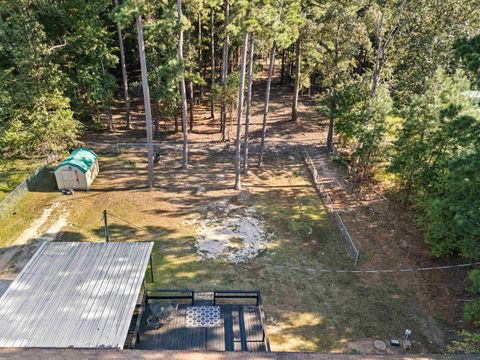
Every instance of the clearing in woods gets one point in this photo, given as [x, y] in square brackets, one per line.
[264, 237]
[305, 311]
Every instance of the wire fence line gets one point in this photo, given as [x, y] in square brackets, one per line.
[157, 145]
[16, 194]
[339, 271]
[117, 146]
[353, 249]
[195, 147]
[381, 271]
[125, 221]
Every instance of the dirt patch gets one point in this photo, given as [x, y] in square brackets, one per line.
[231, 233]
[33, 231]
[17, 255]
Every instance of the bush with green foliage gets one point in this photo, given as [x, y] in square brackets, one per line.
[469, 344]
[55, 59]
[437, 160]
[437, 163]
[361, 122]
[468, 52]
[227, 96]
[472, 310]
[49, 127]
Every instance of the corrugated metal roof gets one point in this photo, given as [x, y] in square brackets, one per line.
[81, 158]
[74, 294]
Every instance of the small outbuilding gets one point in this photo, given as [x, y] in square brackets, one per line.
[78, 170]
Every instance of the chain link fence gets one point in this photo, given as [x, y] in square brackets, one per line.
[15, 195]
[353, 249]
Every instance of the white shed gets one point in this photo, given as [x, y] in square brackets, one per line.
[78, 170]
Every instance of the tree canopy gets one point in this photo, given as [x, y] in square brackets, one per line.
[398, 81]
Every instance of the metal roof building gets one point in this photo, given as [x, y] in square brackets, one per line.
[79, 295]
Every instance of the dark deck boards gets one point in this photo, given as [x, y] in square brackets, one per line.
[241, 330]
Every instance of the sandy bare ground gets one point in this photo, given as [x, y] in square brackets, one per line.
[230, 232]
[14, 257]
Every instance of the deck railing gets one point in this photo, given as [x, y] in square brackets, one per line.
[237, 294]
[178, 294]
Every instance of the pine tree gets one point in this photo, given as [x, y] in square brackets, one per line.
[182, 87]
[146, 99]
[238, 143]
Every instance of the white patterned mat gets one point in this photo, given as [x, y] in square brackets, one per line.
[203, 316]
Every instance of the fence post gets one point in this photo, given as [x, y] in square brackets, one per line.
[105, 224]
[151, 268]
[357, 258]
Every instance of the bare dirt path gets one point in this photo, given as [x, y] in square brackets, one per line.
[16, 255]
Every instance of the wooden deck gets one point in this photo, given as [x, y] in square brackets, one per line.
[241, 330]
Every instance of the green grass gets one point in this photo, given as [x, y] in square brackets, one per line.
[305, 310]
[13, 172]
[21, 215]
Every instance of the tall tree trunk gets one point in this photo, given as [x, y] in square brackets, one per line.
[333, 95]
[182, 87]
[124, 74]
[249, 102]
[383, 45]
[107, 102]
[377, 66]
[176, 122]
[110, 117]
[146, 100]
[230, 121]
[223, 116]
[265, 110]
[298, 64]
[200, 51]
[241, 91]
[192, 103]
[290, 62]
[190, 83]
[212, 54]
[156, 119]
[282, 71]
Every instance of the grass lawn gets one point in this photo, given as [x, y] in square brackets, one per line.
[13, 172]
[305, 310]
[30, 207]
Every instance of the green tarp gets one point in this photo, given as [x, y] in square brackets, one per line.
[81, 158]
